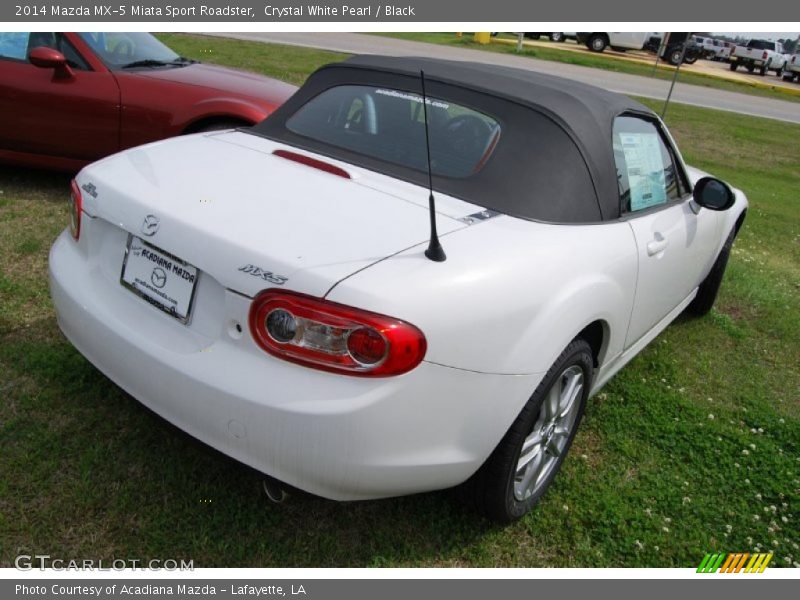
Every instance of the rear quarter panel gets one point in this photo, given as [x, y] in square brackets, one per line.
[510, 296]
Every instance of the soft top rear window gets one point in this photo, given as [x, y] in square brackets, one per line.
[389, 125]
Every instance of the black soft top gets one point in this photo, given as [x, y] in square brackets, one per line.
[554, 161]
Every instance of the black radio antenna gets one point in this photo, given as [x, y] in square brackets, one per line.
[435, 252]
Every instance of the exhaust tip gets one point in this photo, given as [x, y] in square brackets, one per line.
[274, 490]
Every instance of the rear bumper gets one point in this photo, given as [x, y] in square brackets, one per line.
[340, 437]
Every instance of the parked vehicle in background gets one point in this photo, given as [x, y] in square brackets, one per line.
[724, 50]
[714, 49]
[707, 46]
[68, 99]
[556, 36]
[761, 55]
[791, 70]
[598, 41]
[679, 50]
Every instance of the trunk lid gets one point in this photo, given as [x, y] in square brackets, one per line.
[252, 220]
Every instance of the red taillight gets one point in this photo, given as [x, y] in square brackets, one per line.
[765, 55]
[333, 337]
[312, 162]
[75, 210]
[793, 59]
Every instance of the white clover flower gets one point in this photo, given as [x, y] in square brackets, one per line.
[665, 529]
[729, 528]
[758, 496]
[648, 512]
[737, 465]
[711, 416]
[656, 548]
[745, 452]
[686, 500]
[747, 481]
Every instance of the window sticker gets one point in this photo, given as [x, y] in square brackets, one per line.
[645, 169]
[14, 45]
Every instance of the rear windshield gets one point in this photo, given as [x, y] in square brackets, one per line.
[490, 151]
[761, 45]
[389, 125]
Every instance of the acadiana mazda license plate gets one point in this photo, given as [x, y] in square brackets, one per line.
[162, 279]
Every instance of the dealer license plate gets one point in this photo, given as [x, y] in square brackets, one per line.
[164, 280]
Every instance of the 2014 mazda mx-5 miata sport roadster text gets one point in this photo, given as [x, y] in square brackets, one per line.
[295, 295]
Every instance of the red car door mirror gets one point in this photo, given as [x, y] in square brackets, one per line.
[48, 58]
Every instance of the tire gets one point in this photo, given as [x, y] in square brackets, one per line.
[750, 68]
[597, 42]
[675, 57]
[690, 60]
[557, 37]
[533, 36]
[709, 288]
[733, 65]
[494, 490]
[764, 68]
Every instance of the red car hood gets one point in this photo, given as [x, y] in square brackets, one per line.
[231, 81]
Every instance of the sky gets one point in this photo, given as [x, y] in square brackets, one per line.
[776, 35]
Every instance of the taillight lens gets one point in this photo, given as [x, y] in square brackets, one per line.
[334, 337]
[75, 210]
[764, 56]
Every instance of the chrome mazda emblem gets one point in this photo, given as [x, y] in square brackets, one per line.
[158, 278]
[150, 225]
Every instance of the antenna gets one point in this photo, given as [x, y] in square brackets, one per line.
[435, 252]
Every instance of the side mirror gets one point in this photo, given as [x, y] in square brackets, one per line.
[48, 58]
[713, 194]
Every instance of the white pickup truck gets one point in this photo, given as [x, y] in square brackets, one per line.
[791, 70]
[764, 55]
[597, 41]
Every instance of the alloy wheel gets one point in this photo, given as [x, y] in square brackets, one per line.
[543, 448]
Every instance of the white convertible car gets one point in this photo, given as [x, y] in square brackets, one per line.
[279, 292]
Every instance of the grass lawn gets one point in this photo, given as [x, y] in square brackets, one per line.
[692, 448]
[597, 61]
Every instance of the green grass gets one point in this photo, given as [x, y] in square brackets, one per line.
[652, 480]
[597, 61]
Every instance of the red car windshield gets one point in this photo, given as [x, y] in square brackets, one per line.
[120, 50]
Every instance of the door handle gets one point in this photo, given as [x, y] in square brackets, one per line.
[657, 245]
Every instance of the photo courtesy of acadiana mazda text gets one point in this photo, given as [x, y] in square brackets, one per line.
[412, 276]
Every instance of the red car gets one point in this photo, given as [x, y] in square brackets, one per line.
[68, 99]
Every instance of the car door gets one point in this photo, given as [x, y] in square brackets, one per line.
[46, 113]
[674, 237]
[626, 39]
